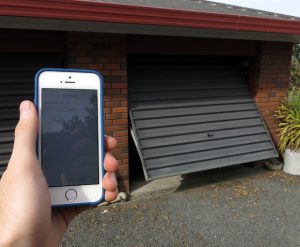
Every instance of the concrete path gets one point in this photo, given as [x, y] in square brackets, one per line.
[236, 206]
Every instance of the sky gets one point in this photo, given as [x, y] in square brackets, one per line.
[288, 7]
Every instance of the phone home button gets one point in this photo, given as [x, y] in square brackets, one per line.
[71, 194]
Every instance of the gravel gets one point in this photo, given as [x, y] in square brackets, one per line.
[257, 210]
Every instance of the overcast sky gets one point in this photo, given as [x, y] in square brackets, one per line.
[288, 7]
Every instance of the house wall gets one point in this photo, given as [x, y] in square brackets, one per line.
[107, 54]
[272, 80]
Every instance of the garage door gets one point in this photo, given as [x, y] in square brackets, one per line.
[16, 84]
[191, 114]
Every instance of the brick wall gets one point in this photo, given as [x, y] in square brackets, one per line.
[272, 80]
[107, 54]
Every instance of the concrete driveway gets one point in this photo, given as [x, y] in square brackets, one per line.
[235, 206]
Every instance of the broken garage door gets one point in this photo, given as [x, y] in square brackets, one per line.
[192, 114]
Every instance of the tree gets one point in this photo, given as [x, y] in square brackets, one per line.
[295, 74]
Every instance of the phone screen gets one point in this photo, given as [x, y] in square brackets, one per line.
[69, 137]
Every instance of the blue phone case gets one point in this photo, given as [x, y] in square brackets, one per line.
[101, 111]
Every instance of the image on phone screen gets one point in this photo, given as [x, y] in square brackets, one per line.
[69, 137]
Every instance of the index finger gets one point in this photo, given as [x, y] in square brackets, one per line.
[110, 143]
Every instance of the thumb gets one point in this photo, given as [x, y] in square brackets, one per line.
[26, 131]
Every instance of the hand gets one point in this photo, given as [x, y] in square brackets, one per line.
[26, 216]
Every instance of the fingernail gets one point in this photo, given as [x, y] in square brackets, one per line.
[25, 108]
[113, 177]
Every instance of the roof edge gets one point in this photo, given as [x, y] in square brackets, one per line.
[129, 14]
[236, 7]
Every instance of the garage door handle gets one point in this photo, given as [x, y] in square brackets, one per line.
[209, 134]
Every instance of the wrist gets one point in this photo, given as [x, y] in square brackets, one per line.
[7, 240]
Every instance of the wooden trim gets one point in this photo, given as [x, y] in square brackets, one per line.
[138, 44]
[129, 14]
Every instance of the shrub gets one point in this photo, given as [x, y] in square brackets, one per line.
[288, 115]
[295, 73]
[295, 70]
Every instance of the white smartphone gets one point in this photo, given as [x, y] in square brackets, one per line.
[71, 136]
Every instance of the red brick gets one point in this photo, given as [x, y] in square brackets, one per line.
[95, 66]
[275, 60]
[119, 109]
[107, 133]
[119, 85]
[107, 97]
[262, 94]
[113, 116]
[80, 53]
[103, 60]
[123, 145]
[107, 85]
[77, 66]
[124, 91]
[276, 99]
[119, 60]
[119, 47]
[108, 122]
[112, 66]
[125, 172]
[120, 121]
[125, 115]
[113, 103]
[282, 94]
[105, 73]
[117, 152]
[85, 60]
[109, 91]
[118, 138]
[262, 100]
[121, 133]
[124, 103]
[113, 128]
[119, 97]
[121, 72]
[111, 53]
[122, 156]
[107, 110]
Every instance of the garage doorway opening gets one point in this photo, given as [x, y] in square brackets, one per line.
[191, 114]
[17, 71]
[136, 174]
